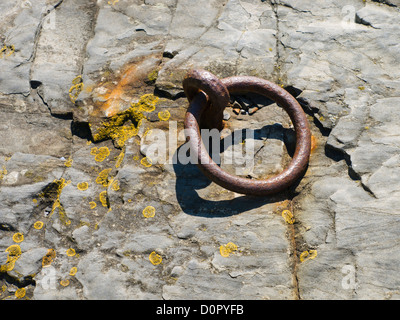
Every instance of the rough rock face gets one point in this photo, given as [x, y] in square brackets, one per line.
[86, 85]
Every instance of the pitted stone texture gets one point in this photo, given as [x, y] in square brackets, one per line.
[338, 59]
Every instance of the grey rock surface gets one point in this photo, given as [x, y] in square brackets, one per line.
[83, 215]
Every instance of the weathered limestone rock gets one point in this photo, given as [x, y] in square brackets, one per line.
[89, 210]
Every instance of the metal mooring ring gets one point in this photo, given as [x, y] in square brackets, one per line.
[218, 96]
[199, 103]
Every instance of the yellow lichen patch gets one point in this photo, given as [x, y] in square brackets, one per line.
[103, 177]
[76, 88]
[18, 237]
[155, 258]
[100, 153]
[149, 212]
[70, 252]
[58, 185]
[112, 2]
[115, 185]
[92, 204]
[8, 266]
[3, 172]
[14, 250]
[147, 103]
[94, 151]
[306, 255]
[103, 198]
[83, 186]
[20, 293]
[288, 216]
[164, 115]
[312, 254]
[49, 257]
[63, 216]
[146, 161]
[226, 250]
[64, 282]
[38, 225]
[231, 246]
[68, 162]
[7, 51]
[120, 158]
[152, 76]
[14, 253]
[124, 125]
[73, 271]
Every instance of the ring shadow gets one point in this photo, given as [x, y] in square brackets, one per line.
[189, 179]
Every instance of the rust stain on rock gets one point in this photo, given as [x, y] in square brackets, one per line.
[115, 91]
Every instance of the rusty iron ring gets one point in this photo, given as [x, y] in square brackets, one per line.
[218, 96]
[239, 85]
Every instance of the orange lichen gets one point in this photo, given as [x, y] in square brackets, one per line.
[18, 237]
[149, 212]
[155, 258]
